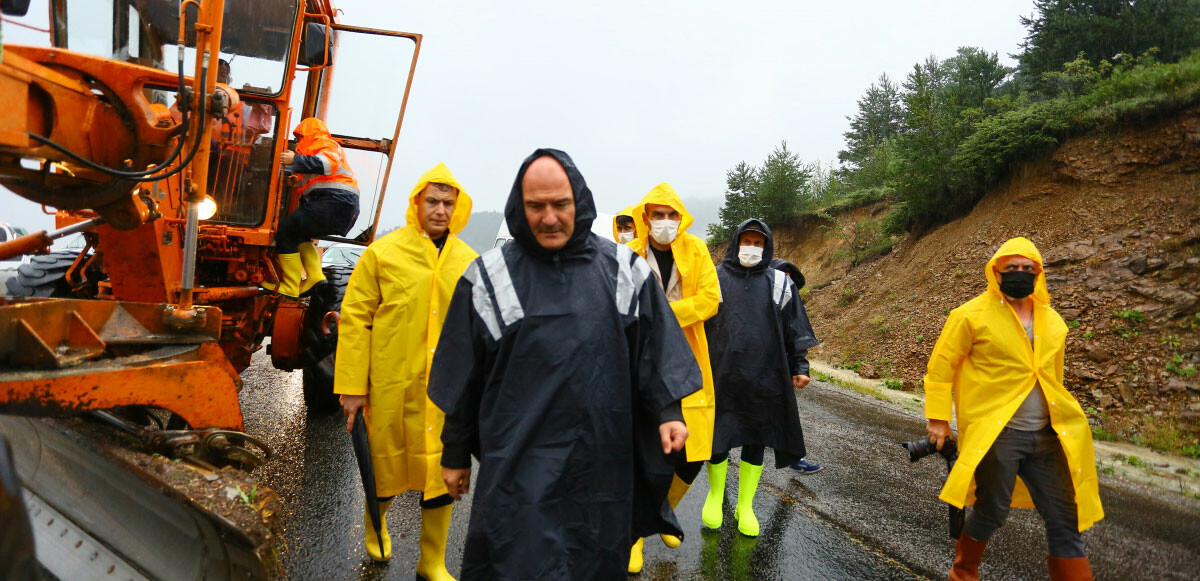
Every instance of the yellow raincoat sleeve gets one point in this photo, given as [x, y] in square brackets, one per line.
[952, 347]
[703, 305]
[354, 331]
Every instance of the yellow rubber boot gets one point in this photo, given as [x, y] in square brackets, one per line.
[435, 528]
[372, 541]
[674, 495]
[289, 276]
[748, 475]
[711, 515]
[312, 266]
[635, 557]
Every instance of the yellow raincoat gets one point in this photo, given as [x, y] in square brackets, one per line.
[391, 320]
[638, 227]
[984, 364]
[701, 297]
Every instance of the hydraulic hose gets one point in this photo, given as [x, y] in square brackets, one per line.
[148, 174]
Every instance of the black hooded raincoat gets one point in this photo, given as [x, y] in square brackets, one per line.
[758, 340]
[554, 369]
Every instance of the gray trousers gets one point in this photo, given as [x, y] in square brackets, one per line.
[1038, 458]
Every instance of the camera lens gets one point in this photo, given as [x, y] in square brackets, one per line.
[918, 449]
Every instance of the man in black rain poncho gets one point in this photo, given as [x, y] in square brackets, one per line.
[758, 342]
[561, 369]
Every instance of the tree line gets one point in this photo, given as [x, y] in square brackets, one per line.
[932, 144]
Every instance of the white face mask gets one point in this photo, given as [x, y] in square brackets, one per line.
[749, 256]
[664, 231]
[624, 237]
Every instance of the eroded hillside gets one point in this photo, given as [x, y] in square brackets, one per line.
[1117, 217]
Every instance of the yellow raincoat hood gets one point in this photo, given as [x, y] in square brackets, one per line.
[984, 366]
[1019, 246]
[638, 227]
[701, 295]
[392, 318]
[440, 174]
[662, 194]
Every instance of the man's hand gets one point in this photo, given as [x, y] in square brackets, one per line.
[939, 432]
[350, 406]
[799, 381]
[673, 435]
[458, 481]
[287, 157]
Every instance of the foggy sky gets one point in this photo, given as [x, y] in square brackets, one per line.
[640, 92]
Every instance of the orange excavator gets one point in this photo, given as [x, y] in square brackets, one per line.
[154, 129]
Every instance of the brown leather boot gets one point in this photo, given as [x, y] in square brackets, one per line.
[968, 553]
[1069, 569]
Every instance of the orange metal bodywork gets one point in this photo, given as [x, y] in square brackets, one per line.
[98, 107]
[200, 386]
[53, 360]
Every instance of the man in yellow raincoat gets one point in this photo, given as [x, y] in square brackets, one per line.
[1024, 440]
[392, 318]
[682, 265]
[624, 228]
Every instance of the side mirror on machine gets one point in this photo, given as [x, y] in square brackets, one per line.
[314, 46]
[14, 7]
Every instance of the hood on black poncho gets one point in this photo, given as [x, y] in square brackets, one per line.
[585, 208]
[731, 253]
[789, 269]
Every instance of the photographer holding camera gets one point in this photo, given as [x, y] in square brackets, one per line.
[1024, 440]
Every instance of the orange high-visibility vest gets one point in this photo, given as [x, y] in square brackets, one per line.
[315, 140]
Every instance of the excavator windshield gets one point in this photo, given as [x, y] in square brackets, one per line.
[255, 38]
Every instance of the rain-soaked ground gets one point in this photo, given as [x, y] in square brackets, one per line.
[869, 515]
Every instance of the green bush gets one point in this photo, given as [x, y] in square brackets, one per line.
[986, 156]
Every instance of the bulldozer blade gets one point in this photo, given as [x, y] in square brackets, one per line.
[128, 508]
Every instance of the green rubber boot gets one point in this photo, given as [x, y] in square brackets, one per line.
[748, 475]
[711, 515]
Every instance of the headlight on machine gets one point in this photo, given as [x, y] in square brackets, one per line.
[207, 208]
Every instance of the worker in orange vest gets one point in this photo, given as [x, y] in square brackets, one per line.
[328, 205]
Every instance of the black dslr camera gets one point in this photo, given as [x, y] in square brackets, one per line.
[921, 448]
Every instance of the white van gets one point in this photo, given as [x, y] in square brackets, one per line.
[601, 226]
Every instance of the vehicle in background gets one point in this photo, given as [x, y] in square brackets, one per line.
[8, 267]
[341, 254]
[601, 226]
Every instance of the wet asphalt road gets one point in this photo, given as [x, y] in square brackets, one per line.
[869, 515]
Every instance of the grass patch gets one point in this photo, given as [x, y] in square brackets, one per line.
[1136, 462]
[1176, 366]
[846, 297]
[882, 327]
[1099, 433]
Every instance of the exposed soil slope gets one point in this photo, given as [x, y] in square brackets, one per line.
[1116, 216]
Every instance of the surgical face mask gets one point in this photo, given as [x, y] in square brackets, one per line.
[624, 237]
[749, 256]
[1016, 284]
[664, 231]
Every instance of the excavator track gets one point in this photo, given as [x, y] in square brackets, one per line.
[102, 506]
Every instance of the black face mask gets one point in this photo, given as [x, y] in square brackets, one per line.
[1017, 285]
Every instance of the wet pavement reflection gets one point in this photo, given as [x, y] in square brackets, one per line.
[869, 515]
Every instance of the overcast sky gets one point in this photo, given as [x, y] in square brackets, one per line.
[645, 92]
